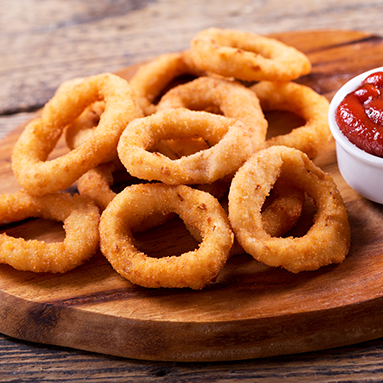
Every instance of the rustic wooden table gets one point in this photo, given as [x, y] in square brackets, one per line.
[44, 42]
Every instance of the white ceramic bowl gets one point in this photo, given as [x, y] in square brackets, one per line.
[361, 170]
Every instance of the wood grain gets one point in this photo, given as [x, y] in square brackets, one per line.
[251, 310]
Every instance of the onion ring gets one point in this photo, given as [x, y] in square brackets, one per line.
[232, 145]
[30, 164]
[328, 239]
[314, 135]
[194, 269]
[153, 78]
[231, 98]
[247, 56]
[81, 219]
[82, 127]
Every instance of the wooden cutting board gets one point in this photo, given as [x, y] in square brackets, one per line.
[251, 310]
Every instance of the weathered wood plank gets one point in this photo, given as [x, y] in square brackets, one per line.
[27, 362]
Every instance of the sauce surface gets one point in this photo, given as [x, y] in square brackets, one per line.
[360, 115]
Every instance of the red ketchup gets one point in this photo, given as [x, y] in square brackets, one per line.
[360, 115]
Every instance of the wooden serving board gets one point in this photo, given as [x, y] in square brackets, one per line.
[251, 310]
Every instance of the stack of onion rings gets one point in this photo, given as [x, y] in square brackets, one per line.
[203, 137]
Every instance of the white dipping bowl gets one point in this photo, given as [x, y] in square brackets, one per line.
[361, 170]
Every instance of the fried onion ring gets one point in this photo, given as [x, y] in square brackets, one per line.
[194, 269]
[81, 219]
[153, 78]
[328, 239]
[231, 146]
[30, 164]
[314, 135]
[247, 56]
[230, 98]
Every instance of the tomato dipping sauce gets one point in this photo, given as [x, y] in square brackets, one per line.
[359, 116]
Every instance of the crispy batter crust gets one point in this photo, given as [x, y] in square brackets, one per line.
[327, 241]
[81, 219]
[247, 56]
[198, 209]
[312, 137]
[38, 175]
[229, 98]
[231, 145]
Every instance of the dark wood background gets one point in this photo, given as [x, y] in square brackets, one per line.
[44, 42]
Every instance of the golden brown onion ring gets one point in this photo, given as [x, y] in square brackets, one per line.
[247, 56]
[80, 217]
[194, 269]
[38, 175]
[326, 242]
[230, 142]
